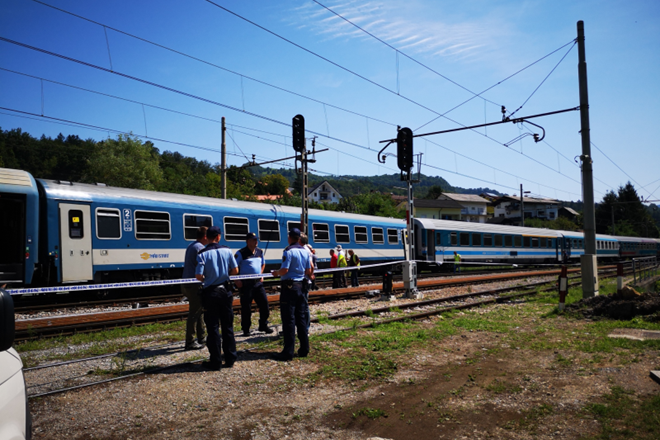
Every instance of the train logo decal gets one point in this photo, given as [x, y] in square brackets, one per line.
[145, 256]
[128, 221]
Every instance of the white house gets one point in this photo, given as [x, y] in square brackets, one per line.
[508, 207]
[324, 193]
[475, 208]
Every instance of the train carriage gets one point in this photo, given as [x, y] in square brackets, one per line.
[437, 240]
[96, 233]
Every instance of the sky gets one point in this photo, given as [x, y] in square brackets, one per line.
[168, 71]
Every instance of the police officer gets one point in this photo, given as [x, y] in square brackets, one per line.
[293, 299]
[215, 263]
[191, 291]
[251, 261]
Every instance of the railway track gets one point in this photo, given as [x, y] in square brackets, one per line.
[69, 324]
[31, 304]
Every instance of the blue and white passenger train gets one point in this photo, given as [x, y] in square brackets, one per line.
[54, 232]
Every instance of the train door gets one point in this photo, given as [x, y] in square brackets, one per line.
[439, 250]
[12, 240]
[76, 242]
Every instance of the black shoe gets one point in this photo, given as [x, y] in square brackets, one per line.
[266, 329]
[210, 366]
[194, 346]
[303, 354]
[228, 365]
[202, 341]
[246, 333]
[281, 357]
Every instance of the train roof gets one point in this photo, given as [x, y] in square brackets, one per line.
[17, 181]
[484, 227]
[100, 193]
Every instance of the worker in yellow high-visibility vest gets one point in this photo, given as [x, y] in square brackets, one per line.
[457, 262]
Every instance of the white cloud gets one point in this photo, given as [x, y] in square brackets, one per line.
[399, 25]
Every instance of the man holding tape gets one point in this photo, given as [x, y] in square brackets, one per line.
[293, 299]
[251, 261]
[215, 263]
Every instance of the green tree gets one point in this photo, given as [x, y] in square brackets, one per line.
[434, 192]
[631, 217]
[273, 184]
[125, 162]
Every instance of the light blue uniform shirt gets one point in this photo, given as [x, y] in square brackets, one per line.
[215, 265]
[190, 261]
[296, 259]
[252, 264]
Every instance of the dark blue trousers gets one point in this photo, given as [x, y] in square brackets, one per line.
[219, 314]
[253, 291]
[294, 311]
[354, 278]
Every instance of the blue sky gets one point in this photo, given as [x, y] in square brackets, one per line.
[356, 96]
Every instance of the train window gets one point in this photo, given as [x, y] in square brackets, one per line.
[151, 225]
[321, 232]
[438, 239]
[192, 222]
[535, 242]
[361, 234]
[76, 224]
[464, 238]
[236, 228]
[517, 241]
[293, 225]
[488, 240]
[393, 236]
[377, 236]
[108, 224]
[527, 242]
[476, 239]
[498, 241]
[544, 242]
[342, 234]
[269, 230]
[453, 241]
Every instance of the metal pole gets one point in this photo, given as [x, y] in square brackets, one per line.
[223, 161]
[522, 207]
[589, 272]
[304, 217]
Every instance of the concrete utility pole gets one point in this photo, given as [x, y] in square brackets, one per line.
[223, 161]
[588, 260]
[522, 205]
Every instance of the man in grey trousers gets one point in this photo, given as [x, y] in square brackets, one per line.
[192, 292]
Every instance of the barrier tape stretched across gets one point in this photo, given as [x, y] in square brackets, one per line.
[79, 288]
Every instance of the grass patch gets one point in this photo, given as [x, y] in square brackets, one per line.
[370, 413]
[621, 415]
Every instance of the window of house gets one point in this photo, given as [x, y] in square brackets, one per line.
[236, 228]
[361, 234]
[321, 232]
[192, 222]
[392, 236]
[151, 225]
[342, 234]
[269, 230]
[108, 224]
[377, 236]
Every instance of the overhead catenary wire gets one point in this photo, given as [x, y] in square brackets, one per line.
[217, 66]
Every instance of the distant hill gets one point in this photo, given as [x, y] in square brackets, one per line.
[388, 183]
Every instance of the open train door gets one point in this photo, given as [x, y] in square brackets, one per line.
[12, 240]
[76, 241]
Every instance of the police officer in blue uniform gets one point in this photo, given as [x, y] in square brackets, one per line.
[251, 261]
[293, 299]
[215, 263]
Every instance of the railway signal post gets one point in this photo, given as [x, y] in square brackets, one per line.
[404, 144]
